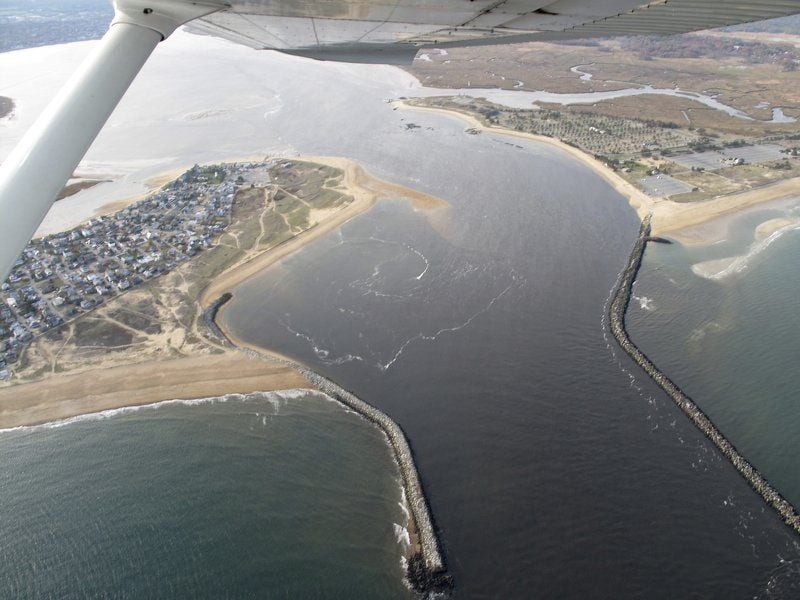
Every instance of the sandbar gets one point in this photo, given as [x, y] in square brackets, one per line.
[768, 228]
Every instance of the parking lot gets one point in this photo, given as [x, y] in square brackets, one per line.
[664, 185]
[755, 154]
[710, 160]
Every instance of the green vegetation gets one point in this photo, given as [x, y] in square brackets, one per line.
[163, 317]
[212, 175]
[90, 331]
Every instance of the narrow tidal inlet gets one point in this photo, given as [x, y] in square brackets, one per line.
[549, 461]
[552, 465]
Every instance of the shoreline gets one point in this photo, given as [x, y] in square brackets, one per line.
[641, 202]
[426, 571]
[365, 189]
[683, 221]
[244, 368]
[425, 568]
[667, 216]
[616, 316]
[67, 395]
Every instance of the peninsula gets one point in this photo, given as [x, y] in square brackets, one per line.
[121, 305]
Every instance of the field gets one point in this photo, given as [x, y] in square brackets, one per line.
[755, 78]
[665, 145]
[164, 318]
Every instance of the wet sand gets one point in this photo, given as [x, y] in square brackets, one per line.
[668, 217]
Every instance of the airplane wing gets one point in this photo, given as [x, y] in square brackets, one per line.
[388, 31]
[393, 30]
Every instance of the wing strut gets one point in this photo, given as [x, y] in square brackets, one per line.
[45, 158]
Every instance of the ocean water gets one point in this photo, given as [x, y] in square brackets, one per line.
[29, 23]
[732, 342]
[552, 466]
[281, 495]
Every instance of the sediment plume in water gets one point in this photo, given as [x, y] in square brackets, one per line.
[617, 311]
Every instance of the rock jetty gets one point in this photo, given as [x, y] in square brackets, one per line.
[426, 571]
[617, 311]
[210, 316]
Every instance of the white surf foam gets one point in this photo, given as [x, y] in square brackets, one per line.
[401, 535]
[124, 410]
[725, 267]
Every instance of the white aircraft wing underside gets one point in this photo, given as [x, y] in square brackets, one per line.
[337, 28]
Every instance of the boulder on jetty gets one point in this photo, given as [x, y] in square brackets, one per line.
[425, 581]
[657, 240]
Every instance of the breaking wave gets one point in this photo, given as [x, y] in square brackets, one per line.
[275, 398]
[721, 268]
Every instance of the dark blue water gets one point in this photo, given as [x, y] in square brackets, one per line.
[553, 468]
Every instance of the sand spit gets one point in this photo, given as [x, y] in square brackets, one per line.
[617, 310]
[68, 395]
[357, 182]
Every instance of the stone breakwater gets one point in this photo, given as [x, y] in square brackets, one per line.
[210, 316]
[617, 311]
[426, 571]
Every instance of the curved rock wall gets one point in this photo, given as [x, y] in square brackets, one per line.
[426, 570]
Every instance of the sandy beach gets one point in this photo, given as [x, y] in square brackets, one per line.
[364, 188]
[668, 217]
[59, 396]
[69, 395]
[675, 218]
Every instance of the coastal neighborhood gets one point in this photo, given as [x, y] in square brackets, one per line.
[62, 276]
